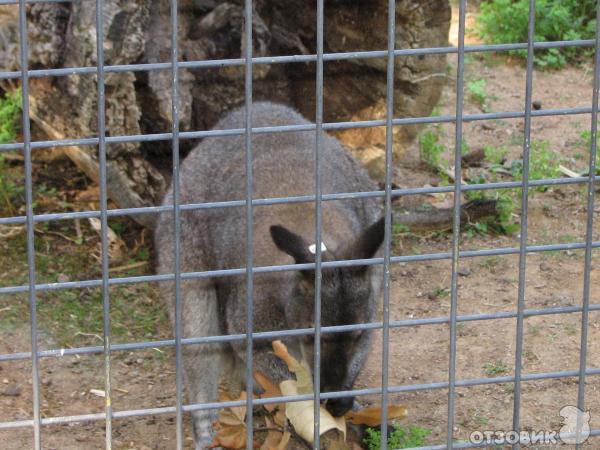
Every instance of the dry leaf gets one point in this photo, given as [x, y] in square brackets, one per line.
[371, 416]
[301, 370]
[301, 415]
[270, 388]
[231, 426]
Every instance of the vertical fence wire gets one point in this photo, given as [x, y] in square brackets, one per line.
[26, 131]
[589, 233]
[524, 221]
[387, 244]
[103, 220]
[460, 81]
[318, 222]
[249, 221]
[176, 225]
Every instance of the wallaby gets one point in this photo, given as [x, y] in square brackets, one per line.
[212, 239]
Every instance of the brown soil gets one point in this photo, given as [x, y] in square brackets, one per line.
[144, 379]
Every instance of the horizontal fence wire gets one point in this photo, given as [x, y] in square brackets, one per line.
[327, 57]
[33, 288]
[295, 128]
[298, 332]
[121, 212]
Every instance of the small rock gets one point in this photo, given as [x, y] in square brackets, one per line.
[545, 267]
[139, 360]
[464, 271]
[46, 382]
[12, 391]
[537, 104]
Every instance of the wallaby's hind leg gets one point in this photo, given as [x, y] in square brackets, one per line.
[202, 363]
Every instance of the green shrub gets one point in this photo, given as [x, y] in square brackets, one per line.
[477, 92]
[506, 22]
[10, 114]
[431, 149]
[543, 163]
[400, 437]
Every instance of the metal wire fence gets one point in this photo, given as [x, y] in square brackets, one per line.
[455, 254]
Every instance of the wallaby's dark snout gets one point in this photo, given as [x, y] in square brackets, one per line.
[215, 239]
[339, 406]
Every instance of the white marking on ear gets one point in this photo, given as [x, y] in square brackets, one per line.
[313, 248]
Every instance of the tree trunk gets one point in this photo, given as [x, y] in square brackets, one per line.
[137, 31]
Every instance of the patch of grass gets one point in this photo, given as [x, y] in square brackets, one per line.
[73, 317]
[495, 368]
[491, 262]
[399, 437]
[506, 21]
[10, 114]
[570, 329]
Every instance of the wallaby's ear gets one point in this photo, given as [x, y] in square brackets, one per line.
[369, 241]
[291, 243]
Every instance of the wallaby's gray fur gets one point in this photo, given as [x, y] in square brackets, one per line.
[283, 165]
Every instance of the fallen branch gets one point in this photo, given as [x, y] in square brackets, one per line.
[568, 172]
[421, 220]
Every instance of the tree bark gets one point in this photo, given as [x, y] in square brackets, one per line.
[137, 31]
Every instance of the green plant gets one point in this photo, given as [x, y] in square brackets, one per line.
[506, 21]
[477, 92]
[503, 221]
[431, 149]
[495, 155]
[495, 368]
[586, 142]
[400, 228]
[543, 163]
[400, 437]
[10, 112]
[11, 187]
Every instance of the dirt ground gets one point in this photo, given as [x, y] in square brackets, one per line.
[418, 355]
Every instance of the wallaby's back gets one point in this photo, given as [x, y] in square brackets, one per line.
[283, 166]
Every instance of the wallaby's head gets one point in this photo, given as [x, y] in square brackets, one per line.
[348, 296]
